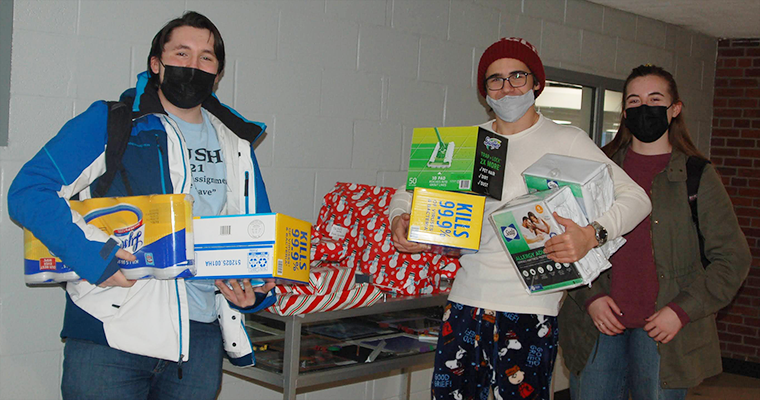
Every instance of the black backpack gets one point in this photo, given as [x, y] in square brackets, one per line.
[694, 168]
[119, 130]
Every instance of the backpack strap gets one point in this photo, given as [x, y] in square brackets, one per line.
[694, 168]
[119, 130]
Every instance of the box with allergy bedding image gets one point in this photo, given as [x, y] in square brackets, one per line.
[523, 226]
[590, 182]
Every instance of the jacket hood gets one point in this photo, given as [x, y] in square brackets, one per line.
[145, 100]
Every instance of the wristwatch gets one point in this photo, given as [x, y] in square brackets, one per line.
[600, 233]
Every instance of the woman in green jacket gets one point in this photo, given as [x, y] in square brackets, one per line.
[647, 326]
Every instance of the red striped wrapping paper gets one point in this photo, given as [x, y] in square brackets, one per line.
[361, 295]
[323, 279]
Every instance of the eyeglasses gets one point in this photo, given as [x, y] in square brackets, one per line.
[516, 80]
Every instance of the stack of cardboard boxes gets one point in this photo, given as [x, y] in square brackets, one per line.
[574, 188]
[450, 171]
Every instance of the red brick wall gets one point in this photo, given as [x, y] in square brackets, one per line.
[735, 151]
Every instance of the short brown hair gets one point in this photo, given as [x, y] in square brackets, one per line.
[191, 19]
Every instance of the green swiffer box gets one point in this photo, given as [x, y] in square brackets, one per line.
[463, 159]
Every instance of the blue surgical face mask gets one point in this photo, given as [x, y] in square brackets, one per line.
[512, 108]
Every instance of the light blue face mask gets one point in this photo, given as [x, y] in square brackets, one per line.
[512, 108]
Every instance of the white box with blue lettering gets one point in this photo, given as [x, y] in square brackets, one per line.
[269, 245]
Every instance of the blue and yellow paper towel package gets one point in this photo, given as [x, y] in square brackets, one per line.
[267, 245]
[157, 229]
[446, 220]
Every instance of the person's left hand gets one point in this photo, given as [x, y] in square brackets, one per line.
[572, 245]
[244, 296]
[663, 325]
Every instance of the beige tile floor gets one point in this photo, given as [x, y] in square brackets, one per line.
[726, 387]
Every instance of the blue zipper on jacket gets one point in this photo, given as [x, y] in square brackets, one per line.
[179, 312]
[161, 164]
[245, 193]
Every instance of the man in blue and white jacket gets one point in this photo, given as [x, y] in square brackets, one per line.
[138, 339]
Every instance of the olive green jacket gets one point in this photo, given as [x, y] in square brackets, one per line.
[694, 353]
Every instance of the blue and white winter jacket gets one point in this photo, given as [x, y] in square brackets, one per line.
[151, 317]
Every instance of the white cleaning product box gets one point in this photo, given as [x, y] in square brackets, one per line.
[590, 181]
[268, 245]
[525, 224]
[462, 159]
[157, 229]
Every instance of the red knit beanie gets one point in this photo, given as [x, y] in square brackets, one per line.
[517, 48]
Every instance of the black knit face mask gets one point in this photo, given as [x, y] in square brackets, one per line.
[647, 123]
[186, 87]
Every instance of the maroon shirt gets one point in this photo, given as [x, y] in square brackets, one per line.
[634, 283]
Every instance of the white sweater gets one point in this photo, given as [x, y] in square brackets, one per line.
[488, 278]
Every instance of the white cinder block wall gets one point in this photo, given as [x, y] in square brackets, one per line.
[340, 83]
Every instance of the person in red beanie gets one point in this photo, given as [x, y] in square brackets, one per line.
[510, 77]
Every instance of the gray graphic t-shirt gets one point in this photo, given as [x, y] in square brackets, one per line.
[209, 187]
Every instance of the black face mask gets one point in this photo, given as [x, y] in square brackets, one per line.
[647, 123]
[186, 87]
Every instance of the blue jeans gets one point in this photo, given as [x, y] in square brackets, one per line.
[95, 371]
[628, 362]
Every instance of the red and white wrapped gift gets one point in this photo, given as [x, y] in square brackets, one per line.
[326, 250]
[353, 230]
[323, 279]
[360, 295]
